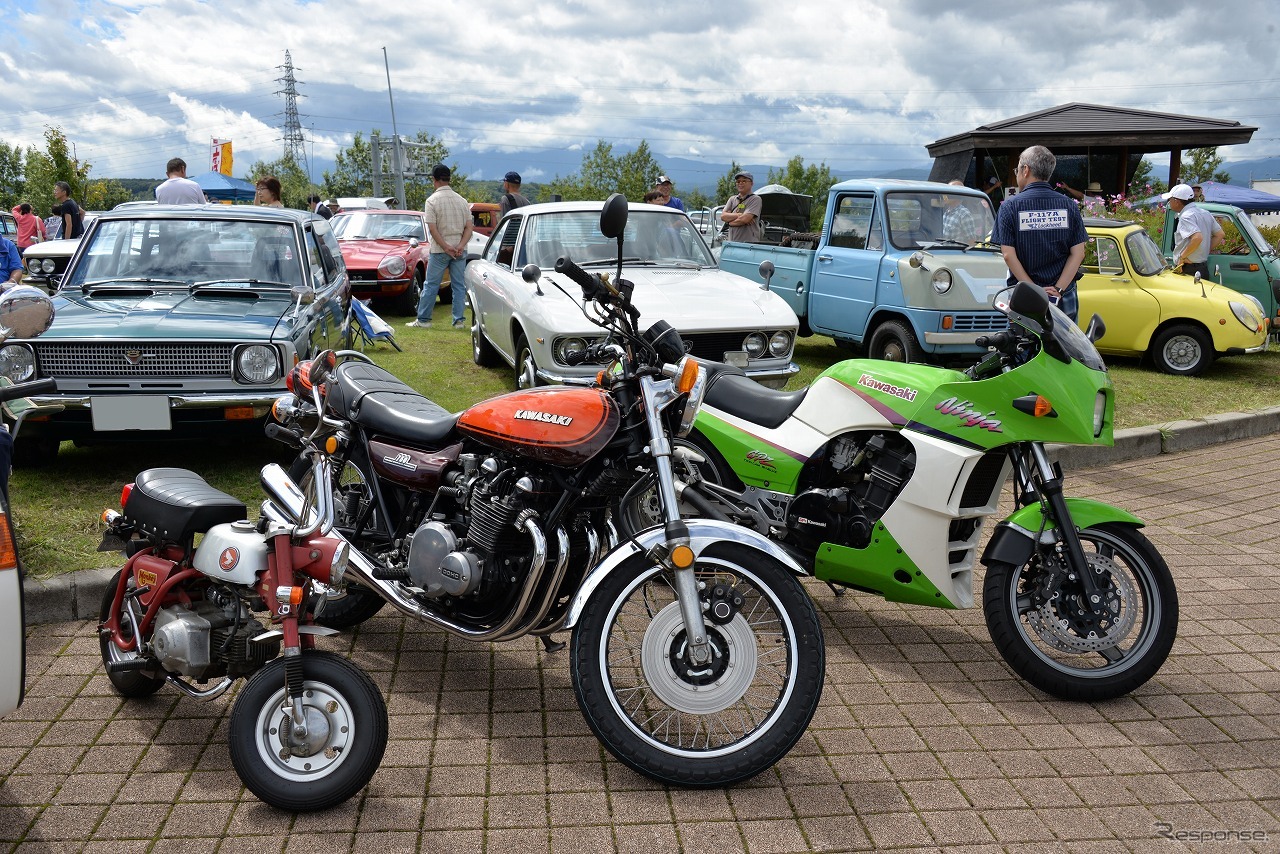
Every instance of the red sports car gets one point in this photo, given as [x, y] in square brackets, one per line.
[386, 255]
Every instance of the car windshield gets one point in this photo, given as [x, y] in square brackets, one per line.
[921, 219]
[186, 251]
[655, 237]
[1248, 227]
[1144, 253]
[364, 224]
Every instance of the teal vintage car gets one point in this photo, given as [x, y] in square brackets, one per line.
[180, 322]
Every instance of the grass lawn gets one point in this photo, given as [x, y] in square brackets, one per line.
[57, 509]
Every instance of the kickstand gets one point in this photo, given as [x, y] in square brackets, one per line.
[551, 645]
[839, 591]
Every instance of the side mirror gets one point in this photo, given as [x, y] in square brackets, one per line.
[1031, 302]
[414, 242]
[613, 216]
[25, 312]
[766, 273]
[303, 294]
[1096, 329]
[532, 273]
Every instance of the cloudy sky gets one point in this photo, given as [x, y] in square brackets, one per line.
[855, 84]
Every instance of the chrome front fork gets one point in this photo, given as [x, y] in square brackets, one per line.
[656, 395]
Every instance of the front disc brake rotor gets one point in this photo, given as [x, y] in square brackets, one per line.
[698, 689]
[1066, 622]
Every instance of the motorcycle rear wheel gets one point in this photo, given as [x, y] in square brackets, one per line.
[348, 725]
[1049, 643]
[709, 725]
[355, 603]
[128, 683]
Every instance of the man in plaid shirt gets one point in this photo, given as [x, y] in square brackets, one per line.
[449, 221]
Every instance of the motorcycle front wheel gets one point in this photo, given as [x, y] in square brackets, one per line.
[1060, 646]
[354, 603]
[699, 725]
[347, 734]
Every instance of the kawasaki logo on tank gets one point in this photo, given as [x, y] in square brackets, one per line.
[545, 417]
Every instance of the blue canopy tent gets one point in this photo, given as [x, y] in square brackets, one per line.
[220, 188]
[1245, 198]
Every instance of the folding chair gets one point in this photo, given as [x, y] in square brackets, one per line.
[370, 329]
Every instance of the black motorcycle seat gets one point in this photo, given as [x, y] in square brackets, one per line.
[380, 403]
[739, 395]
[175, 503]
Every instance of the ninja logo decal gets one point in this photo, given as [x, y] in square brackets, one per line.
[545, 417]
[963, 409]
[229, 558]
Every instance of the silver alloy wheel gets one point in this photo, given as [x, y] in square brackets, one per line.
[1182, 352]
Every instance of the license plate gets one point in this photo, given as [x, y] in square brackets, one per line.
[130, 412]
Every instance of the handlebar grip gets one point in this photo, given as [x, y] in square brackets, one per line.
[12, 392]
[280, 433]
[572, 359]
[565, 267]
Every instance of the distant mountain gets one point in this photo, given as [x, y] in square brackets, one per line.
[1241, 171]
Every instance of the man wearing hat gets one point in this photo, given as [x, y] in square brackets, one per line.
[449, 221]
[663, 185]
[511, 197]
[742, 211]
[318, 207]
[1197, 232]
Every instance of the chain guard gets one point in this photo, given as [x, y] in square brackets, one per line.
[1067, 624]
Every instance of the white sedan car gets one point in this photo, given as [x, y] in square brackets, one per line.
[534, 325]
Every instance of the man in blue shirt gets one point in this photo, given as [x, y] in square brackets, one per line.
[663, 185]
[1041, 233]
[10, 263]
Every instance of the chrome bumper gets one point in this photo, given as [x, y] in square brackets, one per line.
[767, 377]
[176, 401]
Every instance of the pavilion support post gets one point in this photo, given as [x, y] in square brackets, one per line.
[1175, 166]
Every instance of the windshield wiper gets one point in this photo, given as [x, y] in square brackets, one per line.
[252, 282]
[688, 265]
[143, 280]
[613, 261]
[947, 241]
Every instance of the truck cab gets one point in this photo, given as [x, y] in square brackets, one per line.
[1245, 261]
[903, 270]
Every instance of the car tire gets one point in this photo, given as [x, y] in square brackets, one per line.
[407, 302]
[1182, 350]
[893, 341]
[526, 366]
[34, 453]
[482, 352]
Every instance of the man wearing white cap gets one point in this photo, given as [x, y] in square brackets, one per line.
[663, 185]
[1197, 232]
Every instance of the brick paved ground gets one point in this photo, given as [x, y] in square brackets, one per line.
[924, 739]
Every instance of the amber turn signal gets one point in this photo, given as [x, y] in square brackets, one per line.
[682, 557]
[688, 375]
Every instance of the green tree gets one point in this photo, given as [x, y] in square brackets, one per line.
[352, 173]
[697, 200]
[725, 187]
[12, 182]
[103, 194]
[602, 174]
[1204, 164]
[809, 180]
[1144, 183]
[56, 163]
[295, 186]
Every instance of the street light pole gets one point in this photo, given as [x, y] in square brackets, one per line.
[398, 164]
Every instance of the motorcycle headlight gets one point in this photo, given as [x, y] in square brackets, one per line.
[257, 363]
[393, 267]
[17, 362]
[48, 265]
[941, 281]
[755, 345]
[780, 343]
[1099, 413]
[1246, 317]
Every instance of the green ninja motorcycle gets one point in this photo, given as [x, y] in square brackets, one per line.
[879, 476]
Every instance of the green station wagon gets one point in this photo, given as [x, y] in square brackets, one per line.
[180, 322]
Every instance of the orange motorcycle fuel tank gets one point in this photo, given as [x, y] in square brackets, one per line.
[559, 426]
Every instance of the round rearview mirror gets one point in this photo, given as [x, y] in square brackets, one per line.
[303, 293]
[613, 216]
[531, 273]
[25, 312]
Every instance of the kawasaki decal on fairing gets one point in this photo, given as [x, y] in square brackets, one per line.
[761, 459]
[903, 392]
[545, 417]
[964, 410]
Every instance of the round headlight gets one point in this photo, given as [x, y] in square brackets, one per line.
[780, 343]
[17, 363]
[393, 266]
[47, 265]
[257, 363]
[941, 281]
[565, 347]
[755, 345]
[1246, 317]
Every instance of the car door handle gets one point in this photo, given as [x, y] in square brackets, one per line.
[1239, 266]
[1120, 278]
[824, 257]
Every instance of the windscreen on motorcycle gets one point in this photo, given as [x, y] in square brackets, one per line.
[1070, 342]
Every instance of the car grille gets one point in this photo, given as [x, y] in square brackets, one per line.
[979, 321]
[713, 345]
[126, 360]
